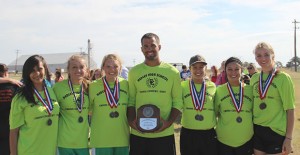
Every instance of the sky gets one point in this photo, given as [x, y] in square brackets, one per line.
[215, 29]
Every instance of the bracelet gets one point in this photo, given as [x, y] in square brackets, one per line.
[288, 138]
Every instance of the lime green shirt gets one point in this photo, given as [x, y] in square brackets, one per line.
[229, 130]
[160, 86]
[188, 113]
[36, 137]
[107, 131]
[279, 98]
[71, 132]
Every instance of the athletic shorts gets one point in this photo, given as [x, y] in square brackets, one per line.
[152, 146]
[110, 151]
[266, 140]
[198, 142]
[68, 151]
[245, 149]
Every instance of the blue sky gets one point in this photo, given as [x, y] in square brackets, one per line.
[214, 29]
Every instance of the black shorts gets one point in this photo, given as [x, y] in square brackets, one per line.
[198, 142]
[245, 149]
[152, 146]
[266, 140]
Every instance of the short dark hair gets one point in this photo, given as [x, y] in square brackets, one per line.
[149, 36]
[3, 69]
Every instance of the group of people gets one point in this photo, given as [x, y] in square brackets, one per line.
[231, 119]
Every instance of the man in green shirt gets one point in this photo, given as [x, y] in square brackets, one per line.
[158, 83]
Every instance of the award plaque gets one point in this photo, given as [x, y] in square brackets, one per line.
[148, 118]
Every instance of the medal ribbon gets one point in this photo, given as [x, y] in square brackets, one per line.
[263, 89]
[237, 103]
[112, 97]
[79, 104]
[47, 104]
[198, 99]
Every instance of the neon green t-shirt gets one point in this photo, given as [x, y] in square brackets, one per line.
[229, 130]
[36, 137]
[188, 113]
[160, 86]
[72, 133]
[279, 98]
[107, 131]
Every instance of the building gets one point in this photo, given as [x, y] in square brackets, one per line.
[54, 60]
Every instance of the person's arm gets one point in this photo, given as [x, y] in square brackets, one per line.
[13, 141]
[287, 144]
[167, 123]
[12, 81]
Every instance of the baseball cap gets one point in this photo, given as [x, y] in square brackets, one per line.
[3, 67]
[197, 58]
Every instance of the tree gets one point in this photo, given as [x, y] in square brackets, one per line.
[291, 63]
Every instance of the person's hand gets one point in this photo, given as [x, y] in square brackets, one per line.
[133, 125]
[16, 82]
[287, 146]
[165, 124]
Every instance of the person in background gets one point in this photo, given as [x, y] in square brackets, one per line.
[34, 112]
[58, 76]
[98, 73]
[198, 136]
[221, 79]
[72, 97]
[109, 126]
[185, 74]
[233, 101]
[252, 69]
[274, 104]
[7, 91]
[214, 74]
[124, 73]
[158, 83]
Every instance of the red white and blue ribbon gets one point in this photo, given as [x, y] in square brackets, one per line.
[198, 99]
[48, 103]
[238, 103]
[112, 97]
[263, 89]
[79, 104]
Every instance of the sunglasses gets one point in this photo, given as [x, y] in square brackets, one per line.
[250, 68]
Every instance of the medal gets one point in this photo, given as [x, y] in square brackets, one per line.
[48, 103]
[80, 119]
[198, 99]
[263, 106]
[116, 114]
[79, 102]
[239, 119]
[238, 103]
[49, 122]
[199, 117]
[263, 89]
[112, 114]
[112, 97]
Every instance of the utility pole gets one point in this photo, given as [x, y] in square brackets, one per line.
[295, 58]
[16, 71]
[89, 53]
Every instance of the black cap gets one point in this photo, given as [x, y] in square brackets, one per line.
[197, 58]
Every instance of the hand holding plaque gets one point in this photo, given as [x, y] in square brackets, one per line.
[148, 118]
